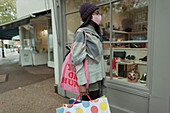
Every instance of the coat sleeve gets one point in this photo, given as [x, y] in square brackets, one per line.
[80, 74]
[78, 54]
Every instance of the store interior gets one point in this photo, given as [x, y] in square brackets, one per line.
[38, 42]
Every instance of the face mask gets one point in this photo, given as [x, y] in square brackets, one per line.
[97, 19]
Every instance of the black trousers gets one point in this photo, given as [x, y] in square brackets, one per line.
[93, 95]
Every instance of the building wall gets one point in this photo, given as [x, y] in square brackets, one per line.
[160, 93]
[55, 42]
[26, 7]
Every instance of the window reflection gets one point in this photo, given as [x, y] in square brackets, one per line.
[72, 5]
[72, 25]
[128, 41]
[129, 60]
[96, 1]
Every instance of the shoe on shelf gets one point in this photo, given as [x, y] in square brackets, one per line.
[130, 57]
[143, 59]
[143, 78]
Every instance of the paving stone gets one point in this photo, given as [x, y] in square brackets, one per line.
[29, 89]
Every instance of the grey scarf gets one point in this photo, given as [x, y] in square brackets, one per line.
[92, 49]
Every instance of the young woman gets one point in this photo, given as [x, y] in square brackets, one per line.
[92, 51]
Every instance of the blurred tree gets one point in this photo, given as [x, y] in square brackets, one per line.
[7, 11]
[129, 7]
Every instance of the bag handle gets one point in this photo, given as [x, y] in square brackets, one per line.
[84, 39]
[78, 98]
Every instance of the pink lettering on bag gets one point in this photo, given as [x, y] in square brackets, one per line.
[75, 76]
[70, 74]
[70, 82]
[69, 67]
[65, 80]
[76, 84]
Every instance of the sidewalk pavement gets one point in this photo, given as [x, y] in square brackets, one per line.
[36, 98]
[29, 89]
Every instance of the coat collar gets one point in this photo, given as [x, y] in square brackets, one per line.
[90, 29]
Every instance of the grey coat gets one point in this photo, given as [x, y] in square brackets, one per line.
[93, 51]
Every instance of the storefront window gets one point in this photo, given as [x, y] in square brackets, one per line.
[129, 42]
[96, 1]
[72, 5]
[73, 22]
[105, 34]
[124, 28]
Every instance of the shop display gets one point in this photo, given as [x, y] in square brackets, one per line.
[124, 68]
[120, 54]
[104, 35]
[129, 24]
[121, 74]
[121, 71]
[114, 72]
[143, 59]
[129, 61]
[108, 68]
[130, 57]
[142, 45]
[106, 56]
[133, 76]
[120, 45]
[138, 37]
[143, 78]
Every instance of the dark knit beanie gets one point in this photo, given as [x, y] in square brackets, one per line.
[86, 9]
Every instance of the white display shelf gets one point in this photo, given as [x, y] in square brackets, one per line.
[124, 49]
[133, 62]
[121, 79]
[132, 49]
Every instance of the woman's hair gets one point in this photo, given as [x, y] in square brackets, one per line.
[87, 21]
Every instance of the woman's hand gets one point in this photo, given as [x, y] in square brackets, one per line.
[83, 90]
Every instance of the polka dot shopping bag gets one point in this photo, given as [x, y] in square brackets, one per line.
[100, 105]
